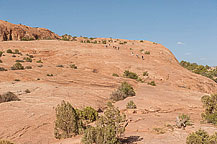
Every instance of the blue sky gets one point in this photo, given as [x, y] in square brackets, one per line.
[187, 27]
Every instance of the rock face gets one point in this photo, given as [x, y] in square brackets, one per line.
[9, 31]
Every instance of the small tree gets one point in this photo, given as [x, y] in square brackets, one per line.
[109, 128]
[210, 105]
[131, 75]
[201, 137]
[17, 66]
[66, 124]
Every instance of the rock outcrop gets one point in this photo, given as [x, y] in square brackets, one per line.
[9, 31]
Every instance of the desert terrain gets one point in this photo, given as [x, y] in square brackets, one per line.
[31, 120]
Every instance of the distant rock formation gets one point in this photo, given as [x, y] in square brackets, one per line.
[9, 31]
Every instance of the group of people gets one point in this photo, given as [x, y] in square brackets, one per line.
[137, 55]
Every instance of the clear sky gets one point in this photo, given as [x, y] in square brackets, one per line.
[187, 27]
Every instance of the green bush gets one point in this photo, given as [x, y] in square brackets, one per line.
[201, 137]
[145, 73]
[9, 51]
[152, 83]
[73, 66]
[2, 69]
[28, 67]
[9, 96]
[16, 51]
[66, 124]
[27, 59]
[27, 39]
[210, 105]
[183, 120]
[88, 113]
[39, 61]
[19, 60]
[147, 52]
[130, 75]
[1, 53]
[124, 91]
[109, 128]
[5, 142]
[131, 105]
[17, 66]
[115, 75]
[59, 66]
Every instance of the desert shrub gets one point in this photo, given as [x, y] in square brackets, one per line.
[59, 66]
[73, 66]
[141, 40]
[19, 60]
[145, 73]
[141, 50]
[16, 51]
[210, 105]
[104, 42]
[123, 91]
[27, 91]
[27, 39]
[88, 113]
[9, 51]
[109, 128]
[152, 83]
[67, 121]
[16, 80]
[27, 59]
[1, 61]
[129, 74]
[2, 69]
[131, 105]
[201, 137]
[39, 61]
[14, 55]
[183, 120]
[147, 52]
[17, 66]
[116, 75]
[9, 96]
[5, 142]
[28, 67]
[50, 75]
[1, 53]
[31, 56]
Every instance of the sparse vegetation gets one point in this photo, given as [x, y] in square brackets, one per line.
[17, 66]
[109, 128]
[27, 39]
[28, 67]
[19, 60]
[73, 66]
[131, 105]
[59, 66]
[123, 91]
[27, 59]
[159, 130]
[130, 75]
[5, 142]
[210, 105]
[115, 75]
[9, 51]
[39, 61]
[200, 69]
[7, 97]
[27, 91]
[2, 69]
[145, 73]
[88, 114]
[1, 53]
[183, 120]
[50, 75]
[152, 83]
[201, 137]
[147, 52]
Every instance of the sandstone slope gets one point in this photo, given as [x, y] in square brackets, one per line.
[31, 120]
